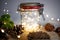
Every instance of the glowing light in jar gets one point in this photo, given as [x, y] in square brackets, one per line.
[23, 23]
[32, 19]
[32, 27]
[35, 13]
[29, 19]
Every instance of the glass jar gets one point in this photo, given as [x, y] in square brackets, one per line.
[30, 13]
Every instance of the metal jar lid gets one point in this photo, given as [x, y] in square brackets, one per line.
[31, 4]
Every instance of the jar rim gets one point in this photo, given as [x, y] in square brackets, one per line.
[31, 4]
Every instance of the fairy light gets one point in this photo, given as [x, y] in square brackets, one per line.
[58, 19]
[32, 20]
[47, 16]
[30, 24]
[4, 22]
[7, 13]
[2, 30]
[7, 10]
[29, 18]
[23, 23]
[52, 18]
[28, 27]
[16, 11]
[35, 13]
[18, 36]
[4, 10]
[31, 28]
[5, 3]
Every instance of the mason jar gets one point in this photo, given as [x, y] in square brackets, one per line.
[30, 15]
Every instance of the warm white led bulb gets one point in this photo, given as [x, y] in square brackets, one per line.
[2, 30]
[47, 15]
[35, 13]
[58, 19]
[29, 18]
[52, 18]
[32, 19]
[18, 36]
[23, 23]
[4, 23]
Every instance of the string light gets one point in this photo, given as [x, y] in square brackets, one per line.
[2, 30]
[16, 11]
[7, 10]
[35, 13]
[29, 18]
[7, 13]
[58, 19]
[4, 22]
[23, 23]
[4, 10]
[5, 3]
[47, 15]
[32, 20]
[18, 36]
[52, 18]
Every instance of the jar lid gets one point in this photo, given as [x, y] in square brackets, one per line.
[33, 5]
